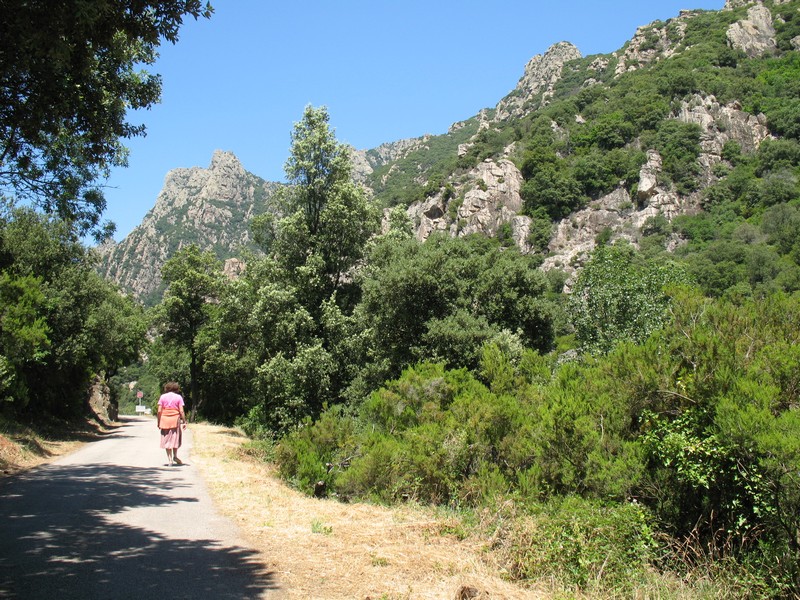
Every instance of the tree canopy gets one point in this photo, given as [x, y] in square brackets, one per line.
[69, 72]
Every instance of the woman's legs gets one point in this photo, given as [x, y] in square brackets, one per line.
[175, 450]
[170, 456]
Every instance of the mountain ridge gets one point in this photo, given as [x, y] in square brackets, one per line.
[210, 206]
[473, 178]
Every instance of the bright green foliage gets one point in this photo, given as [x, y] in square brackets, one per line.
[615, 300]
[719, 389]
[699, 424]
[23, 331]
[193, 279]
[554, 190]
[328, 218]
[679, 146]
[441, 436]
[317, 164]
[744, 244]
[60, 323]
[69, 72]
[284, 343]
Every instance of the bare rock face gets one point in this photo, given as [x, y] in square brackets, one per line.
[233, 268]
[361, 167]
[648, 176]
[100, 401]
[733, 4]
[210, 206]
[720, 124]
[755, 35]
[487, 199]
[574, 237]
[493, 202]
[541, 74]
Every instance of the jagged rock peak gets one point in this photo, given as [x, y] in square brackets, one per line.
[211, 206]
[540, 76]
[733, 4]
[223, 159]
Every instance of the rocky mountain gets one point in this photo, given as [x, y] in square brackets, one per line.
[211, 207]
[486, 197]
[481, 176]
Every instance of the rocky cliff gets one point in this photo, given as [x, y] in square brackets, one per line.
[211, 207]
[488, 196]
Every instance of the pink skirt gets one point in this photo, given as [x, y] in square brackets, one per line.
[171, 438]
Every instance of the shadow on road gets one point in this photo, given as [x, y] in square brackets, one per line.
[57, 540]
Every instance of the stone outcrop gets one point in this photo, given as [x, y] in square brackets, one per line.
[755, 35]
[648, 176]
[489, 196]
[720, 124]
[733, 4]
[622, 216]
[541, 73]
[493, 202]
[488, 199]
[650, 43]
[485, 200]
[210, 206]
[233, 267]
[101, 403]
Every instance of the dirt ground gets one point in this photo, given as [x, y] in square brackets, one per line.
[327, 549]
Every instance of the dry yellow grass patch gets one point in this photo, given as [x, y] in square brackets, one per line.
[326, 549]
[26, 450]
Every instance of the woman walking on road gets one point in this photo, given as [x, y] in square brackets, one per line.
[171, 421]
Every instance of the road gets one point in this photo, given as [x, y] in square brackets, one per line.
[112, 520]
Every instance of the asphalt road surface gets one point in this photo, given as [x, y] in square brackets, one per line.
[114, 521]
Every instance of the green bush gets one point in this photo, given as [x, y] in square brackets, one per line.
[580, 545]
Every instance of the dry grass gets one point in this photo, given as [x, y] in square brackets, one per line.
[22, 447]
[326, 549]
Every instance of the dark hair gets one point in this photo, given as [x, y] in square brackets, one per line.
[171, 386]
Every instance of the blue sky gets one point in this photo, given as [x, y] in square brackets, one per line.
[385, 70]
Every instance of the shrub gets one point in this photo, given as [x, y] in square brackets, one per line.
[580, 545]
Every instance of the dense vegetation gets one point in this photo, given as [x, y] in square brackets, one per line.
[60, 323]
[68, 74]
[646, 424]
[387, 369]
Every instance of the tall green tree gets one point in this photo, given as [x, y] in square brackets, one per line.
[284, 318]
[615, 299]
[327, 218]
[69, 72]
[194, 279]
[445, 298]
